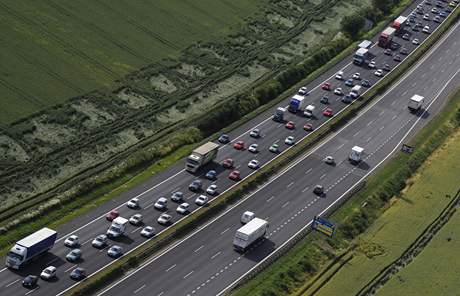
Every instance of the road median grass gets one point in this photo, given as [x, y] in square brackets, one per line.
[117, 269]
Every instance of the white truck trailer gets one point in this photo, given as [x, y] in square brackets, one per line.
[297, 103]
[249, 233]
[201, 156]
[415, 103]
[30, 247]
[118, 227]
[356, 154]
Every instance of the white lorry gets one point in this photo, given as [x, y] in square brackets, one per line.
[415, 103]
[356, 154]
[355, 91]
[30, 247]
[201, 156]
[118, 227]
[309, 111]
[249, 233]
[297, 103]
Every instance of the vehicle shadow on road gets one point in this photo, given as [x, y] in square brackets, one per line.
[260, 250]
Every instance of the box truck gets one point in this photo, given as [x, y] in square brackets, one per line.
[249, 233]
[297, 103]
[201, 156]
[30, 247]
[118, 227]
[386, 37]
[356, 154]
[361, 56]
[415, 103]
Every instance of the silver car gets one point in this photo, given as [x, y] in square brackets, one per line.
[115, 251]
[100, 241]
[74, 255]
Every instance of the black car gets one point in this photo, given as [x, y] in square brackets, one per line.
[403, 51]
[386, 67]
[224, 139]
[387, 51]
[415, 28]
[397, 58]
[78, 274]
[195, 186]
[365, 83]
[324, 100]
[30, 281]
[319, 190]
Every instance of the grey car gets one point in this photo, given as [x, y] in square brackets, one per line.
[100, 241]
[115, 251]
[74, 255]
[177, 196]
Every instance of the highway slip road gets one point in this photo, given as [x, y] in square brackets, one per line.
[205, 262]
[94, 223]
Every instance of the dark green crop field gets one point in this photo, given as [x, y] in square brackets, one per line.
[53, 49]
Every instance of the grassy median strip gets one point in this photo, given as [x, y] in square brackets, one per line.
[132, 260]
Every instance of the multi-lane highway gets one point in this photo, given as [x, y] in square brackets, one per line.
[164, 184]
[206, 264]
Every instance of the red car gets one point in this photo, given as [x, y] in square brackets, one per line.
[326, 86]
[290, 125]
[112, 215]
[227, 163]
[239, 145]
[234, 175]
[308, 127]
[328, 112]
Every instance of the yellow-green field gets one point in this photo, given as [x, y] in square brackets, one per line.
[435, 270]
[52, 50]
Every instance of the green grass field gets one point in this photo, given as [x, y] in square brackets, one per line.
[53, 50]
[399, 226]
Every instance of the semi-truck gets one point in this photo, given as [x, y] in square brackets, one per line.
[356, 154]
[386, 37]
[309, 111]
[279, 114]
[201, 156]
[399, 23]
[297, 103]
[415, 103]
[30, 247]
[355, 91]
[361, 56]
[249, 233]
[118, 227]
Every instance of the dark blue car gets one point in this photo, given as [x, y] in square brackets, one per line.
[224, 139]
[195, 186]
[211, 175]
[349, 82]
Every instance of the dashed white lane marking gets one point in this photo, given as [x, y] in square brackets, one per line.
[12, 283]
[84, 243]
[188, 274]
[357, 133]
[272, 197]
[290, 184]
[137, 229]
[149, 205]
[394, 117]
[71, 267]
[215, 255]
[381, 112]
[54, 260]
[171, 267]
[322, 176]
[305, 189]
[140, 288]
[369, 123]
[31, 291]
[308, 171]
[201, 247]
[368, 139]
[394, 102]
[381, 128]
[161, 293]
[404, 93]
[340, 146]
[225, 231]
[285, 204]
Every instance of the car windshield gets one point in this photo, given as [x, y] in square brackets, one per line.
[192, 161]
[15, 256]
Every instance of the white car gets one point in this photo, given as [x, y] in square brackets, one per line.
[415, 41]
[135, 219]
[372, 64]
[302, 91]
[426, 16]
[253, 164]
[201, 200]
[100, 241]
[379, 73]
[426, 29]
[253, 148]
[183, 208]
[356, 76]
[161, 203]
[133, 203]
[289, 140]
[164, 219]
[247, 216]
[329, 160]
[255, 133]
[212, 189]
[48, 273]
[177, 196]
[148, 231]
[338, 91]
[434, 10]
[339, 75]
[71, 241]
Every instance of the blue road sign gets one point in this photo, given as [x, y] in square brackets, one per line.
[323, 225]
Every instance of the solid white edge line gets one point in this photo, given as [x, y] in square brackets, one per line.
[431, 51]
[346, 192]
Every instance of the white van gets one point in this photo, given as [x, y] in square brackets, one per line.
[247, 216]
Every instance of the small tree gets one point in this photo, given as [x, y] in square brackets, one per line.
[352, 24]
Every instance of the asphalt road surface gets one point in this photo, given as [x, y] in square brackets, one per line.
[89, 226]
